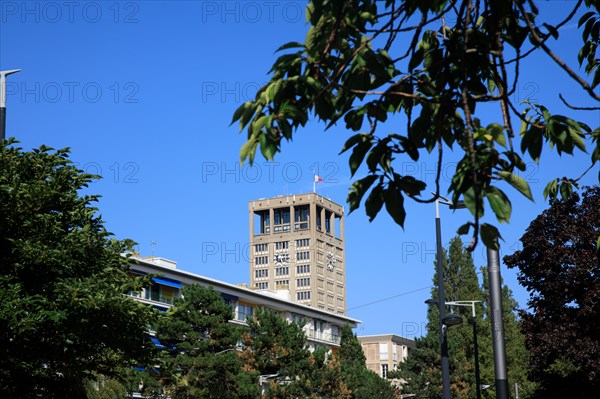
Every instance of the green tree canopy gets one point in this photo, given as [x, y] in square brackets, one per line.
[200, 359]
[64, 315]
[560, 267]
[422, 371]
[415, 79]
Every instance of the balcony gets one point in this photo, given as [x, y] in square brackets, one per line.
[323, 336]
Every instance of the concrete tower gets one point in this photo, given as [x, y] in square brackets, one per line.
[297, 244]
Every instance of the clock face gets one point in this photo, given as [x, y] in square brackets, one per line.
[330, 261]
[281, 259]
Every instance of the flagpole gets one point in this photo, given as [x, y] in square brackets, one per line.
[314, 183]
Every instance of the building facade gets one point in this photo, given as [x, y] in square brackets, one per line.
[384, 352]
[322, 328]
[297, 245]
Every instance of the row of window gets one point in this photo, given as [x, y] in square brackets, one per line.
[282, 271]
[301, 243]
[303, 295]
[303, 282]
[262, 285]
[300, 269]
[261, 273]
[303, 255]
[261, 260]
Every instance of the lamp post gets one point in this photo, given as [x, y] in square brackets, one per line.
[475, 346]
[441, 292]
[263, 379]
[3, 75]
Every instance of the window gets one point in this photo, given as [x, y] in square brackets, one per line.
[161, 293]
[282, 271]
[303, 282]
[282, 245]
[280, 283]
[303, 243]
[394, 352]
[303, 295]
[261, 273]
[384, 370]
[258, 248]
[300, 269]
[383, 351]
[261, 260]
[301, 217]
[330, 299]
[281, 218]
[303, 255]
[319, 209]
[262, 286]
[244, 311]
[327, 222]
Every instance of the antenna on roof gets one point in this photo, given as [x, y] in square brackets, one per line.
[153, 247]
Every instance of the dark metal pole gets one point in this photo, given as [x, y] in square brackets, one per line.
[497, 324]
[442, 304]
[477, 379]
[2, 123]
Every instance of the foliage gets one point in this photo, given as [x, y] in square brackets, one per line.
[428, 72]
[362, 382]
[560, 267]
[278, 348]
[64, 317]
[422, 371]
[200, 358]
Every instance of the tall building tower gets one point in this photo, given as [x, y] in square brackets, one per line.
[297, 244]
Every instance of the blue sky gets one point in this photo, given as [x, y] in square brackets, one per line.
[143, 93]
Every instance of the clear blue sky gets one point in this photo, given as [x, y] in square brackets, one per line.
[143, 93]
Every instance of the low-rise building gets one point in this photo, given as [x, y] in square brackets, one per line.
[322, 328]
[384, 352]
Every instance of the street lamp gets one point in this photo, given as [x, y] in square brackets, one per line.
[3, 75]
[475, 346]
[263, 379]
[441, 292]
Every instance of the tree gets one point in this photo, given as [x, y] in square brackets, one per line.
[200, 358]
[431, 73]
[421, 370]
[278, 348]
[362, 382]
[64, 315]
[560, 267]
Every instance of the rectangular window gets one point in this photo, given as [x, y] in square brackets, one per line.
[281, 219]
[244, 311]
[302, 269]
[303, 295]
[282, 271]
[262, 286]
[303, 243]
[282, 245]
[394, 352]
[384, 370]
[281, 283]
[261, 273]
[303, 282]
[383, 351]
[260, 248]
[301, 213]
[303, 255]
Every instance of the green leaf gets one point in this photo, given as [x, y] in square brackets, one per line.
[358, 154]
[500, 204]
[517, 182]
[551, 189]
[290, 45]
[394, 204]
[497, 132]
[358, 190]
[490, 235]
[464, 229]
[374, 202]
